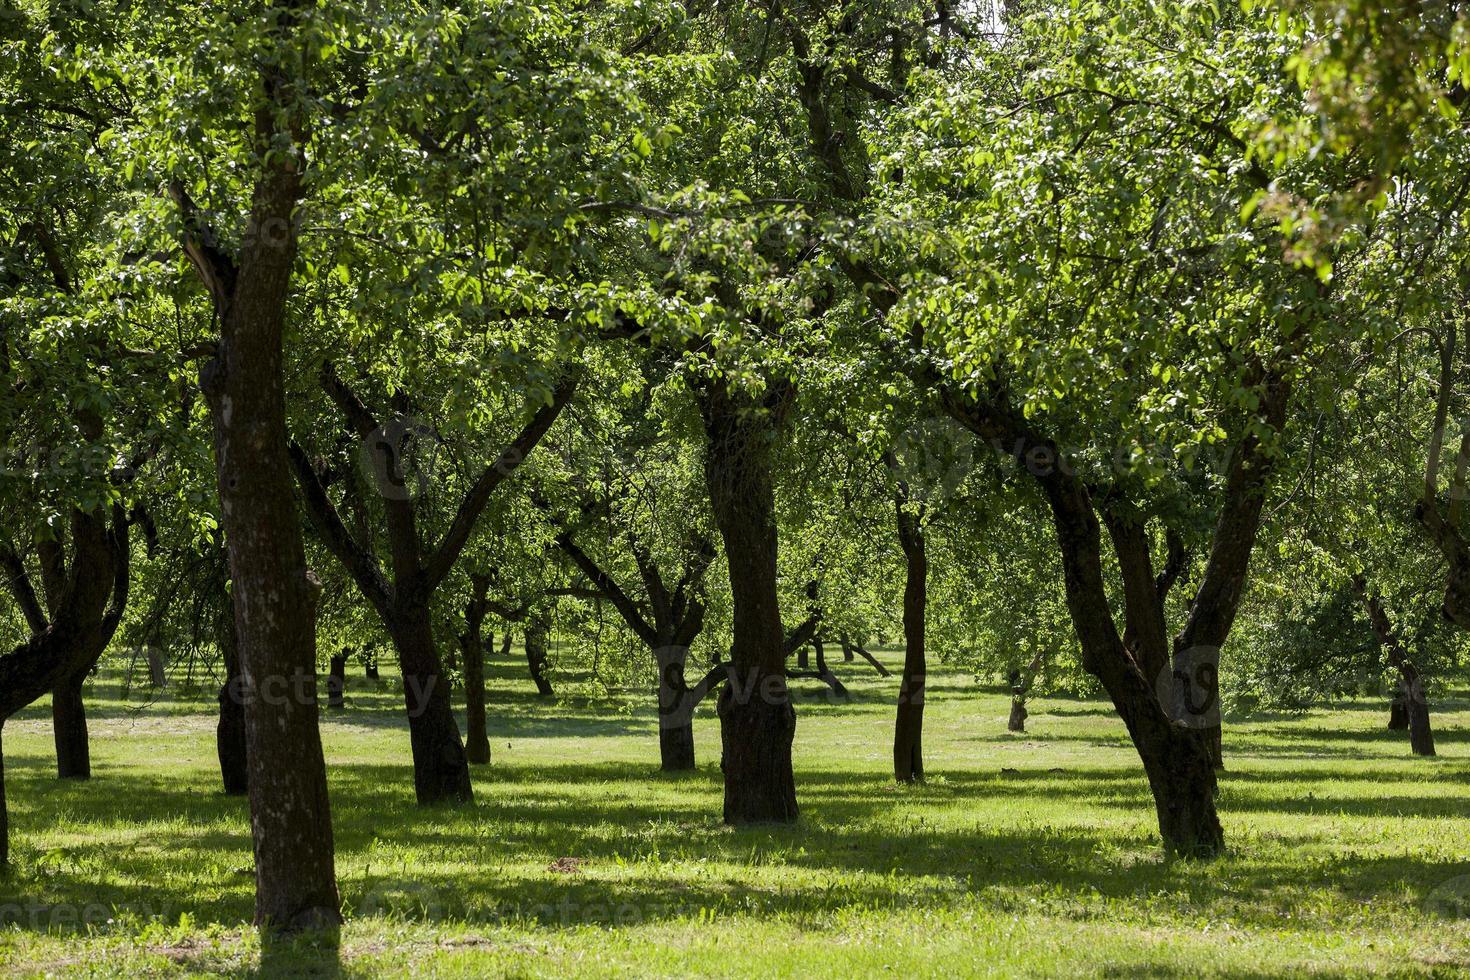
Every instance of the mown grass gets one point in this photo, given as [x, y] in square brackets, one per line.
[1022, 855]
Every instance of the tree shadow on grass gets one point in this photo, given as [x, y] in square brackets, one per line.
[552, 847]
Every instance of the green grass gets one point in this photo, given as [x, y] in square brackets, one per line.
[1022, 855]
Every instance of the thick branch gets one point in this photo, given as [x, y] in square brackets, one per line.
[448, 551]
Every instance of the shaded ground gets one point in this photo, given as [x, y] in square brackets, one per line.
[1023, 854]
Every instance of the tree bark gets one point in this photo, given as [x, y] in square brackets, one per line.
[337, 682]
[675, 710]
[69, 726]
[1175, 758]
[440, 770]
[1415, 704]
[229, 732]
[274, 593]
[1398, 714]
[757, 720]
[536, 655]
[472, 649]
[908, 730]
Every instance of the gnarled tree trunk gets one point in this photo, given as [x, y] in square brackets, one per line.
[757, 720]
[536, 655]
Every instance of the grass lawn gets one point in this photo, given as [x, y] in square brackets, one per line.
[1023, 855]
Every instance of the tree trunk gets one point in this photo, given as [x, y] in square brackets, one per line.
[505, 644]
[1415, 704]
[69, 726]
[157, 673]
[1398, 714]
[370, 665]
[675, 710]
[1019, 714]
[757, 720]
[229, 733]
[536, 655]
[1182, 777]
[847, 655]
[274, 593]
[477, 739]
[908, 730]
[440, 770]
[337, 682]
[472, 650]
[4, 806]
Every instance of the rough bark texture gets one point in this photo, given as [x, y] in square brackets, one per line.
[274, 593]
[908, 730]
[1415, 704]
[757, 720]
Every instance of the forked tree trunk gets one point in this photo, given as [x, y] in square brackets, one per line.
[69, 726]
[1175, 759]
[757, 720]
[229, 733]
[536, 656]
[908, 730]
[441, 773]
[1415, 704]
[83, 612]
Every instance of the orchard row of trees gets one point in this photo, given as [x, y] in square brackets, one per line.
[1079, 342]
